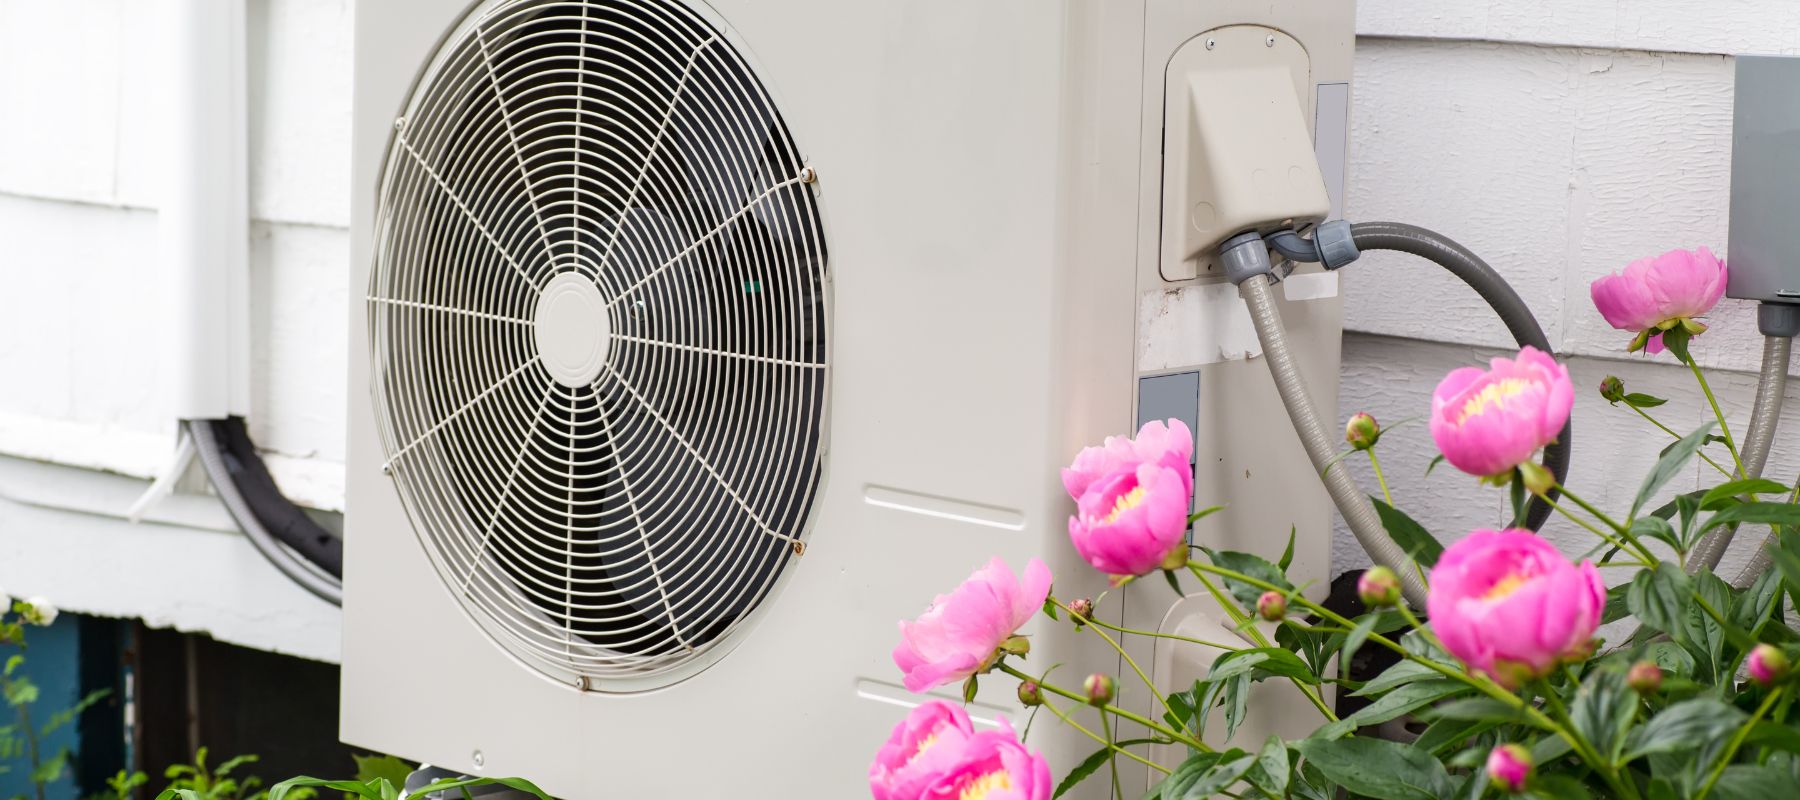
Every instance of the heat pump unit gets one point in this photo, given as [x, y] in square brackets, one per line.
[695, 344]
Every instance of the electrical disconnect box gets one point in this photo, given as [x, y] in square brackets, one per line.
[1764, 247]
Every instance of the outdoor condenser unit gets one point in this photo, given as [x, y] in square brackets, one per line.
[695, 344]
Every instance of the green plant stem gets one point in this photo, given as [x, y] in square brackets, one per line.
[1641, 553]
[1176, 637]
[1242, 621]
[1737, 740]
[1375, 464]
[1430, 636]
[1781, 713]
[1113, 760]
[31, 744]
[1482, 684]
[1724, 428]
[1622, 530]
[1070, 721]
[1134, 717]
[1670, 431]
[1160, 700]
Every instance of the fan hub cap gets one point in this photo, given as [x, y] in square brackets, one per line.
[571, 329]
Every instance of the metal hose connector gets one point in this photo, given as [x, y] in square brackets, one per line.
[1764, 415]
[1320, 446]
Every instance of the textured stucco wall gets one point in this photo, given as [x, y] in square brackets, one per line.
[1557, 138]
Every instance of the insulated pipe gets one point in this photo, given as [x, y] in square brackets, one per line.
[1499, 295]
[203, 218]
[1764, 415]
[244, 487]
[1320, 446]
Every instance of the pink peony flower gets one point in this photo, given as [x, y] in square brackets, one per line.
[1509, 605]
[1652, 295]
[959, 634]
[1509, 766]
[994, 766]
[1169, 444]
[1130, 522]
[924, 746]
[1486, 423]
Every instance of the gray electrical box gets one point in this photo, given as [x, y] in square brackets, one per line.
[1764, 250]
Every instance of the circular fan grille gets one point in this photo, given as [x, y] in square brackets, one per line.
[598, 321]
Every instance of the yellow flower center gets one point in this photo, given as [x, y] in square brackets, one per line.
[1127, 501]
[1505, 586]
[991, 782]
[1493, 394]
[924, 744]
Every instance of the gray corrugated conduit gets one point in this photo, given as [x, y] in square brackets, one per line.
[1758, 439]
[1245, 259]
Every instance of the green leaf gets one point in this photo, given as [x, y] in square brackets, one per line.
[1050, 609]
[1176, 785]
[1603, 710]
[1401, 673]
[1266, 660]
[1399, 702]
[1365, 625]
[1752, 782]
[1755, 513]
[1785, 554]
[1641, 400]
[1722, 495]
[1758, 603]
[1378, 768]
[1676, 340]
[1271, 770]
[1556, 787]
[1659, 598]
[372, 767]
[1237, 703]
[1446, 732]
[1649, 527]
[1774, 735]
[1669, 466]
[1254, 566]
[1222, 775]
[1478, 709]
[1436, 460]
[1287, 554]
[1086, 767]
[1682, 725]
[1412, 537]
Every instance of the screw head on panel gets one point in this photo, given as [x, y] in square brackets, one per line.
[808, 175]
[478, 759]
[1212, 43]
[1270, 41]
[387, 469]
[399, 123]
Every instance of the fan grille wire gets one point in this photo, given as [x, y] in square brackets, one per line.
[623, 526]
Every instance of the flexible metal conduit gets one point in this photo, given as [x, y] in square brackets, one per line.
[277, 528]
[1320, 446]
[1758, 439]
[1468, 267]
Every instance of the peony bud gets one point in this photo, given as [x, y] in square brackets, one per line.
[1612, 389]
[37, 611]
[1379, 587]
[1509, 766]
[1030, 694]
[1767, 665]
[1272, 606]
[1645, 677]
[1099, 688]
[1537, 480]
[1362, 431]
[1082, 609]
